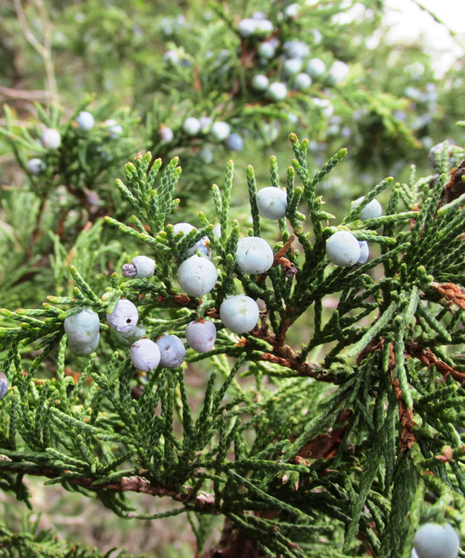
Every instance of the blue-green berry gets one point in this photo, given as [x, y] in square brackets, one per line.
[171, 57]
[239, 313]
[263, 28]
[234, 142]
[296, 49]
[114, 129]
[260, 82]
[277, 91]
[145, 355]
[197, 276]
[35, 166]
[205, 123]
[124, 317]
[438, 148]
[302, 81]
[343, 249]
[172, 351]
[50, 138]
[436, 541]
[83, 326]
[364, 252]
[201, 335]
[292, 67]
[247, 27]
[220, 131]
[338, 72]
[166, 134]
[82, 331]
[315, 68]
[203, 245]
[206, 154]
[267, 50]
[272, 203]
[141, 267]
[191, 126]
[291, 11]
[85, 121]
[254, 255]
[3, 385]
[372, 210]
[129, 337]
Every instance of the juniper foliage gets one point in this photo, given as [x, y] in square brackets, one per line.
[339, 457]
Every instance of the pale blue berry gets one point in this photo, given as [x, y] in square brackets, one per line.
[267, 50]
[277, 91]
[302, 81]
[373, 210]
[259, 15]
[145, 355]
[234, 142]
[191, 126]
[291, 11]
[166, 134]
[220, 131]
[172, 351]
[436, 541]
[85, 121]
[343, 249]
[338, 72]
[206, 154]
[239, 313]
[315, 68]
[114, 129]
[171, 57]
[247, 27]
[260, 82]
[124, 316]
[364, 252]
[203, 245]
[201, 335]
[129, 337]
[221, 57]
[271, 130]
[83, 326]
[82, 331]
[317, 36]
[205, 123]
[4, 384]
[197, 276]
[51, 139]
[292, 66]
[141, 267]
[292, 118]
[263, 27]
[325, 105]
[438, 148]
[296, 49]
[272, 203]
[254, 255]
[35, 166]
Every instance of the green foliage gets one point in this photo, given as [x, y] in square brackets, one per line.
[313, 455]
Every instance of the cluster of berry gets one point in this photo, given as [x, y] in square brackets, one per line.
[217, 132]
[295, 69]
[197, 276]
[51, 138]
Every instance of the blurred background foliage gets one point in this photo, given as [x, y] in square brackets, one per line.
[389, 112]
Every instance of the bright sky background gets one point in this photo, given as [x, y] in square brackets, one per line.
[407, 21]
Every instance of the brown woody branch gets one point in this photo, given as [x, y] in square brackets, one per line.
[198, 499]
